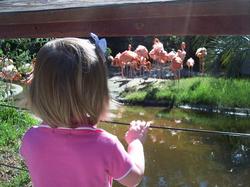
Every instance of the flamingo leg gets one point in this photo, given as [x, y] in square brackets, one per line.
[122, 73]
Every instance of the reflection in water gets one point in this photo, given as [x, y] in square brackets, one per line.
[203, 184]
[239, 156]
[179, 159]
[162, 182]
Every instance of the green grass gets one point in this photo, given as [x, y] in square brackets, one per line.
[13, 124]
[199, 90]
[137, 96]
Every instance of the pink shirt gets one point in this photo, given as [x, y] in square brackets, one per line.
[82, 157]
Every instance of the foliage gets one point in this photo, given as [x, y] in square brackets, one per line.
[206, 90]
[227, 53]
[21, 50]
[233, 52]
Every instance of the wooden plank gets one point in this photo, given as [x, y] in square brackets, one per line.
[131, 11]
[139, 27]
[221, 17]
[37, 5]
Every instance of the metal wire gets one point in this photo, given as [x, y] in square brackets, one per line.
[15, 107]
[224, 133]
[13, 167]
[247, 135]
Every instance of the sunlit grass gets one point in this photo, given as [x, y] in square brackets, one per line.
[13, 124]
[137, 96]
[199, 90]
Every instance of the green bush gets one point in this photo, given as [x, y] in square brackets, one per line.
[21, 50]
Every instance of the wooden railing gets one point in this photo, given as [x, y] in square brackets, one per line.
[126, 18]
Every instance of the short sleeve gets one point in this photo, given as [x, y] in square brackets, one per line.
[23, 149]
[25, 142]
[120, 163]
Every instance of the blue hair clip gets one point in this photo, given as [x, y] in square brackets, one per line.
[101, 46]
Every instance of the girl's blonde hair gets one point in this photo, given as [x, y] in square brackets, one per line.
[70, 83]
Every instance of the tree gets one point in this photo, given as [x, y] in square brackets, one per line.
[225, 53]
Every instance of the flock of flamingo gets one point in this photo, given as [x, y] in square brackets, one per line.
[130, 62]
[10, 73]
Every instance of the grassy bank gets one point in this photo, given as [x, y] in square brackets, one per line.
[13, 124]
[199, 90]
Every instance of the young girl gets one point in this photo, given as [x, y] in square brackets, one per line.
[69, 93]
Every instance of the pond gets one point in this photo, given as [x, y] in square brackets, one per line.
[185, 159]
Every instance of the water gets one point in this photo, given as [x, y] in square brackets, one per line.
[185, 159]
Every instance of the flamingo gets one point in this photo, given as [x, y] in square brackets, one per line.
[201, 53]
[171, 56]
[127, 57]
[116, 62]
[156, 49]
[142, 53]
[131, 65]
[190, 64]
[10, 73]
[29, 75]
[158, 53]
[176, 65]
[131, 59]
[181, 52]
[5, 61]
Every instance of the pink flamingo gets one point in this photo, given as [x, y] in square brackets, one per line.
[171, 56]
[116, 63]
[131, 61]
[190, 64]
[9, 71]
[181, 52]
[142, 53]
[29, 75]
[127, 57]
[176, 65]
[201, 53]
[158, 54]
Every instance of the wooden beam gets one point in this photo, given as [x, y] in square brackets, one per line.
[214, 17]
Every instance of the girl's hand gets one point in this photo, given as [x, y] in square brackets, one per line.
[137, 130]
